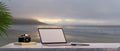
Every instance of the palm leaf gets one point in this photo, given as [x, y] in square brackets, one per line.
[5, 19]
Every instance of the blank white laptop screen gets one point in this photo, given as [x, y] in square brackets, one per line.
[52, 35]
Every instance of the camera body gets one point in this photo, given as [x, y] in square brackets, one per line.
[24, 38]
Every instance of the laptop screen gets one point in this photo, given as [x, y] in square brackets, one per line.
[52, 35]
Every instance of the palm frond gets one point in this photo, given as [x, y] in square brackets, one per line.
[5, 19]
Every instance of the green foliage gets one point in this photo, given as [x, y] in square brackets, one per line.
[5, 19]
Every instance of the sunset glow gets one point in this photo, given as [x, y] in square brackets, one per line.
[69, 21]
[47, 20]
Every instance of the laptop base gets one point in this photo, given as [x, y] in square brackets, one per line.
[67, 44]
[61, 44]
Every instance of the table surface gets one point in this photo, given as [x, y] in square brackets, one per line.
[91, 45]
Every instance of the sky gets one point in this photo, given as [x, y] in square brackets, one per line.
[75, 12]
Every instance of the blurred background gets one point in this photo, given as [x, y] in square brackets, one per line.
[93, 21]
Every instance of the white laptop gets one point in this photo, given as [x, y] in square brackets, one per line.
[54, 37]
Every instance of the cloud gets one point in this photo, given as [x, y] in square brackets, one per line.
[98, 11]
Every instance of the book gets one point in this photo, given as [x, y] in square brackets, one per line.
[25, 43]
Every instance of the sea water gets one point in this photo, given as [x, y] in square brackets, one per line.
[73, 33]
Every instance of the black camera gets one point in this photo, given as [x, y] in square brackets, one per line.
[24, 38]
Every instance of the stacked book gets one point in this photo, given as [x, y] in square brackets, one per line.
[25, 43]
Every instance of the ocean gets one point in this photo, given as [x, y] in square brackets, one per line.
[73, 33]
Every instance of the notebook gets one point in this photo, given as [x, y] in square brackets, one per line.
[55, 37]
[52, 36]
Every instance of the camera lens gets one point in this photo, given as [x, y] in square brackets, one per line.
[24, 38]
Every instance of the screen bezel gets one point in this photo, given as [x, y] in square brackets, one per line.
[52, 42]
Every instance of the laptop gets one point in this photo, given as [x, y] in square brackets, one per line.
[52, 36]
[55, 37]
